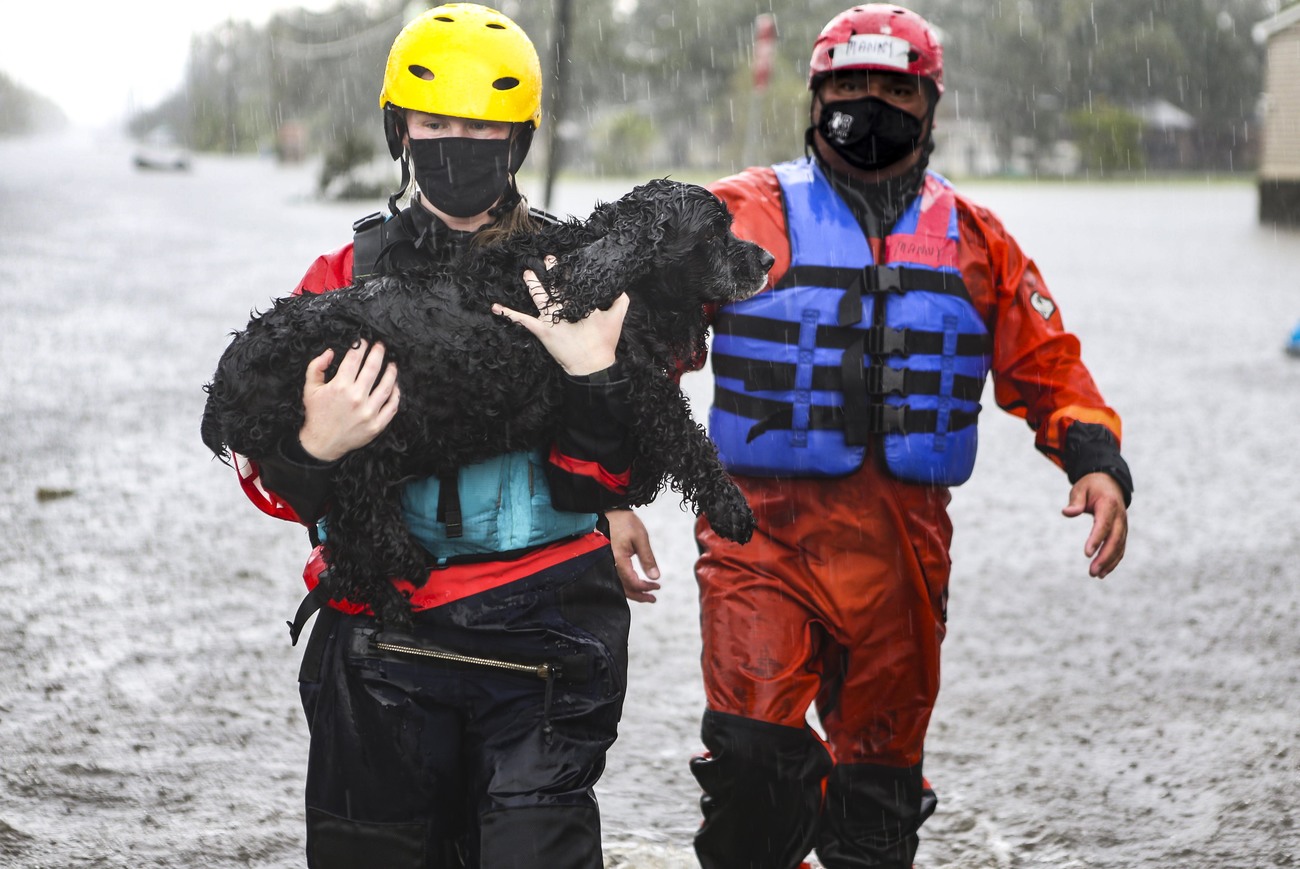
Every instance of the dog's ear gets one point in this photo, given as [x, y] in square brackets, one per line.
[645, 239]
[629, 232]
[210, 428]
[608, 267]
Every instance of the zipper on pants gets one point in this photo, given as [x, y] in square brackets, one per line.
[545, 671]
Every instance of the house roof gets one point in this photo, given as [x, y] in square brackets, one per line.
[1164, 115]
[1265, 30]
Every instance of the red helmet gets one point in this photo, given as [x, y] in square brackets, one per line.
[877, 36]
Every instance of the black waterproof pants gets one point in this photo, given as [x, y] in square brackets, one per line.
[427, 753]
[765, 808]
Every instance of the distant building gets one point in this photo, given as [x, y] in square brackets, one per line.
[965, 148]
[1279, 169]
[1168, 135]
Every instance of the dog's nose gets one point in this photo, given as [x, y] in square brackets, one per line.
[766, 259]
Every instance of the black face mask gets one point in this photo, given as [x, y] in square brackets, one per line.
[462, 177]
[869, 133]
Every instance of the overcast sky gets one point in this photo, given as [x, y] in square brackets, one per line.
[94, 58]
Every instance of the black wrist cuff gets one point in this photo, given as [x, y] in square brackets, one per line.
[612, 374]
[291, 451]
[1091, 448]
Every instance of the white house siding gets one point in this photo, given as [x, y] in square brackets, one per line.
[1279, 172]
[1281, 156]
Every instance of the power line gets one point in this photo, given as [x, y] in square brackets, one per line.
[350, 45]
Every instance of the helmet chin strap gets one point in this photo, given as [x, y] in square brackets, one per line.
[508, 200]
[394, 133]
[401, 190]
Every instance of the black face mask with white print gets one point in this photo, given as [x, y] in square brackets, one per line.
[462, 177]
[869, 133]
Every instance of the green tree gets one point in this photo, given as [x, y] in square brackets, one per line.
[1026, 67]
[622, 143]
[1109, 137]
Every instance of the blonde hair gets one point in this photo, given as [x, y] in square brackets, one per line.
[516, 220]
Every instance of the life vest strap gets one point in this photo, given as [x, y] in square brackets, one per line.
[879, 340]
[765, 376]
[857, 410]
[874, 279]
[775, 415]
[449, 512]
[367, 243]
[313, 601]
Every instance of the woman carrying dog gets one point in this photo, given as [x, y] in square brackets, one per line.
[476, 737]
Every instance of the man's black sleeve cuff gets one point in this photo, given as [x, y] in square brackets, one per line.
[1090, 448]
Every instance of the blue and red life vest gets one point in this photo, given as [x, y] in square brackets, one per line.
[843, 349]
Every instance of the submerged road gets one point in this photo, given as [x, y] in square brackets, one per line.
[148, 705]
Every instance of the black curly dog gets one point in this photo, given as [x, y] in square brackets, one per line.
[473, 385]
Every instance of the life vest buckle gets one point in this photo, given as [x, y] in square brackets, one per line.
[882, 279]
[883, 380]
[361, 224]
[884, 341]
[889, 419]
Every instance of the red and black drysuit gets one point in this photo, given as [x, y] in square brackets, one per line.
[839, 600]
[425, 750]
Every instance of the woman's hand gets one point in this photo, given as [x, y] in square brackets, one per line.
[629, 538]
[584, 347]
[353, 407]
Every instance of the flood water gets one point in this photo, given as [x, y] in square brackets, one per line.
[148, 703]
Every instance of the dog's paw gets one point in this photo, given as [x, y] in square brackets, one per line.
[393, 610]
[736, 525]
[537, 266]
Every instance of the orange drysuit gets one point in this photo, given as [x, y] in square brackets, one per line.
[839, 598]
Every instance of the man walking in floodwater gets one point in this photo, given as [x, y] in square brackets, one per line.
[846, 402]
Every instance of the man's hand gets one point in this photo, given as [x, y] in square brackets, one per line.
[353, 407]
[584, 347]
[628, 537]
[1100, 495]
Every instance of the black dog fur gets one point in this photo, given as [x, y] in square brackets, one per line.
[473, 385]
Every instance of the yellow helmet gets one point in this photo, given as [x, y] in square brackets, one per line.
[466, 61]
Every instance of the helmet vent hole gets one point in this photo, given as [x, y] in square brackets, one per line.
[496, 26]
[913, 56]
[445, 18]
[505, 84]
[421, 72]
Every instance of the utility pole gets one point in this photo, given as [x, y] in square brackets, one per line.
[764, 50]
[559, 78]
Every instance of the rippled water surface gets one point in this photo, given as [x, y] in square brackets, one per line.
[148, 704]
